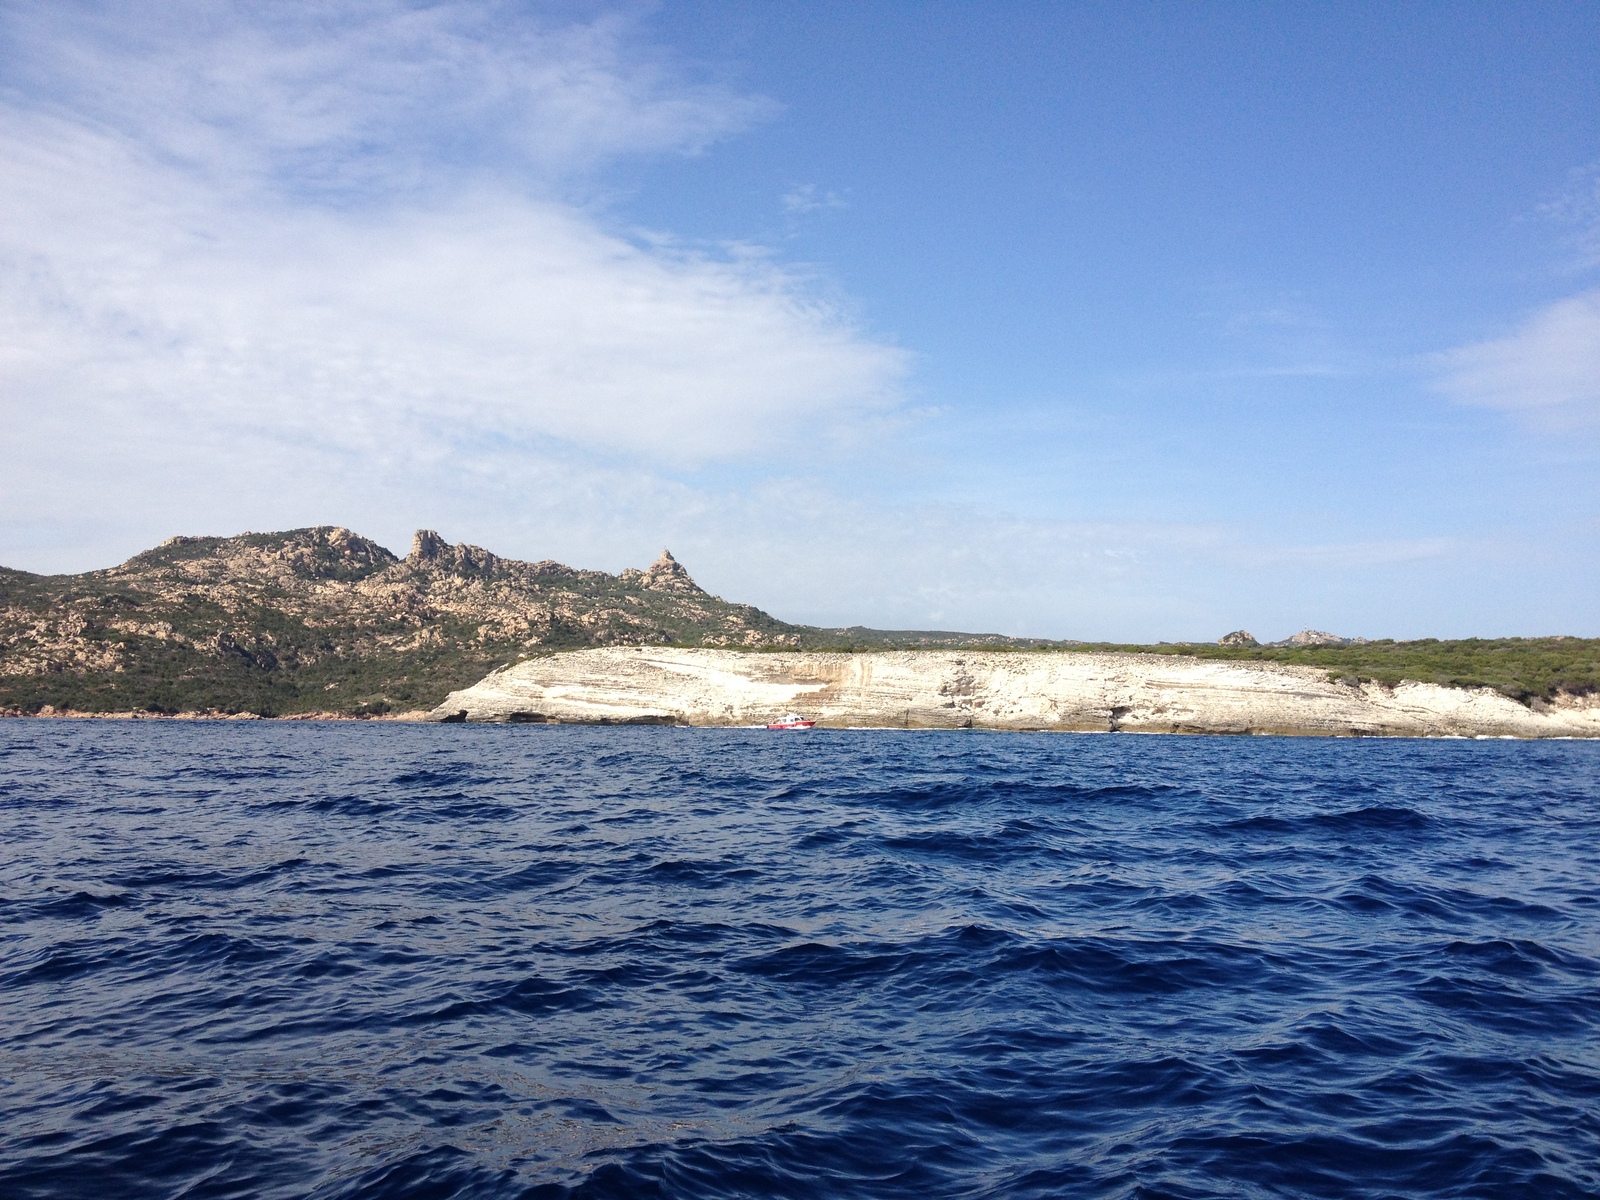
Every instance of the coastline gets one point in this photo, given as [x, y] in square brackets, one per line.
[979, 689]
[1000, 690]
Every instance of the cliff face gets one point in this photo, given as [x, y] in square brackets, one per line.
[323, 618]
[1132, 693]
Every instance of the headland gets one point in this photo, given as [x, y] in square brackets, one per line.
[322, 624]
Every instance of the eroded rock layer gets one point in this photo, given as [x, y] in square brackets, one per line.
[928, 689]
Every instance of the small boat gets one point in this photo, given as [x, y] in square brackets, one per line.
[792, 721]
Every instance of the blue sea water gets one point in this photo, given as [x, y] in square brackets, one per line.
[433, 961]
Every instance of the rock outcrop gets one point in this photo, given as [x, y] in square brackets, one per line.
[666, 574]
[1133, 693]
[1239, 637]
[1312, 637]
[428, 549]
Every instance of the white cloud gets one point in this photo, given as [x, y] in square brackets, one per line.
[345, 94]
[1550, 365]
[809, 198]
[339, 229]
[1576, 207]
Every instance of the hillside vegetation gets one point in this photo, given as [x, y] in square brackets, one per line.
[1527, 669]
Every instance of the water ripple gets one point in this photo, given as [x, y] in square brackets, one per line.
[396, 961]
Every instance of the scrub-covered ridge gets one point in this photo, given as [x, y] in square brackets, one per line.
[323, 619]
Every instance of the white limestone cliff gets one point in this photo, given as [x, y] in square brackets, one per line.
[959, 689]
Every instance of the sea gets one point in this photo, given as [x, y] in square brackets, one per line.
[271, 959]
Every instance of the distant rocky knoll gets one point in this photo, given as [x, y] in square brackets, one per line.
[989, 689]
[324, 620]
[1317, 637]
[1243, 638]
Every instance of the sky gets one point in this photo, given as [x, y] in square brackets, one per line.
[1127, 322]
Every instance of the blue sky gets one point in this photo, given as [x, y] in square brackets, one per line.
[1107, 321]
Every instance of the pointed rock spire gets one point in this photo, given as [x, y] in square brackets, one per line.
[426, 545]
[666, 574]
[429, 549]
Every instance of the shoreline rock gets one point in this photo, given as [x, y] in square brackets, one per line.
[966, 689]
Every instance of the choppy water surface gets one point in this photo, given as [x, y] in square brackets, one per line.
[340, 961]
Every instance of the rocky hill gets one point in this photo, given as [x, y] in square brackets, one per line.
[324, 620]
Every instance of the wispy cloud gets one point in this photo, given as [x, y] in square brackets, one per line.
[1576, 208]
[351, 95]
[1348, 556]
[1549, 366]
[809, 198]
[346, 231]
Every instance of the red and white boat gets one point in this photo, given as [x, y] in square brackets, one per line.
[792, 721]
